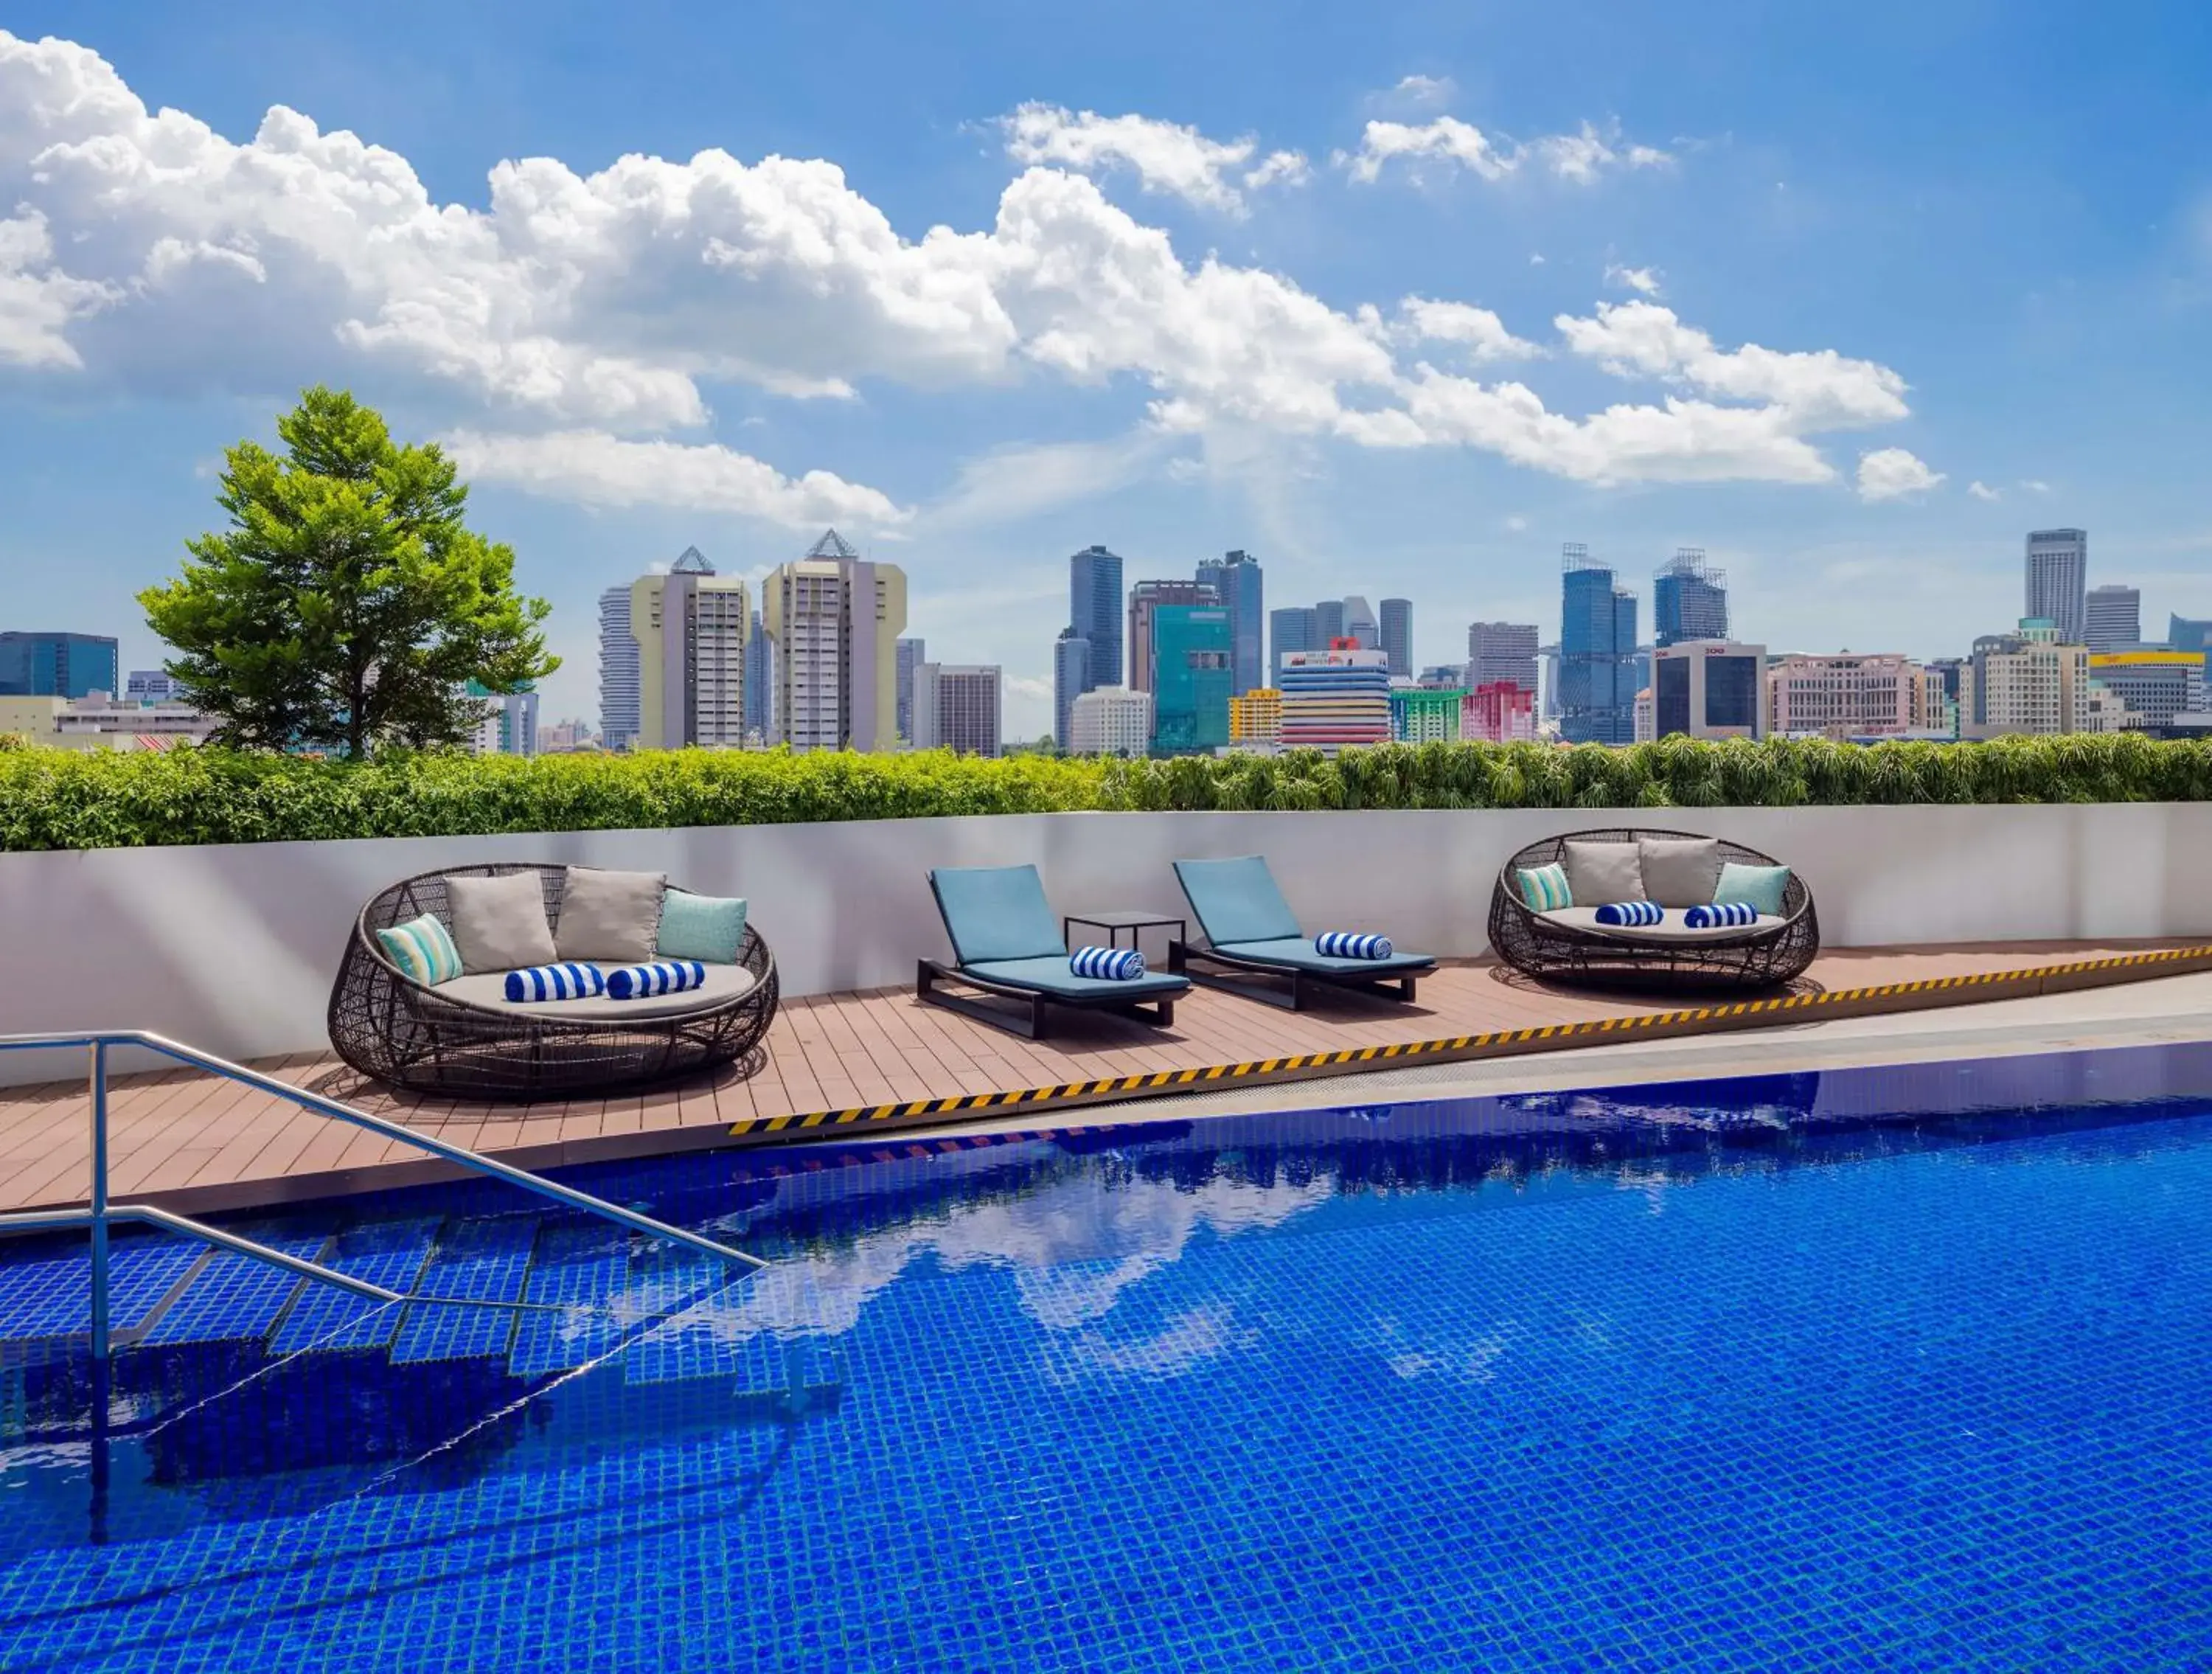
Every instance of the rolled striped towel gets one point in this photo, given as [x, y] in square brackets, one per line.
[1630, 913]
[1107, 964]
[1351, 945]
[1721, 915]
[555, 982]
[641, 982]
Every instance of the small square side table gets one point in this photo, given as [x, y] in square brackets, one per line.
[1134, 921]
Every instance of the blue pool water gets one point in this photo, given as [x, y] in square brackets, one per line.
[1865, 1369]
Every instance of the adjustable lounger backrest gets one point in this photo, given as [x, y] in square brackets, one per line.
[996, 912]
[1237, 901]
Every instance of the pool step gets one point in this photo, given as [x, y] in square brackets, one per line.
[583, 1268]
[484, 1260]
[390, 1253]
[235, 1297]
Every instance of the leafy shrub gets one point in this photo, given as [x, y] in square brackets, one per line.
[58, 798]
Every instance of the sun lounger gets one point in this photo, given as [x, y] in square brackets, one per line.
[1254, 946]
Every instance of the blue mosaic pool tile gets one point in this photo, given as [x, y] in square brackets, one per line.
[485, 1259]
[582, 1268]
[50, 1295]
[323, 1317]
[235, 1296]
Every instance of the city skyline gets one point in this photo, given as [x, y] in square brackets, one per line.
[1329, 291]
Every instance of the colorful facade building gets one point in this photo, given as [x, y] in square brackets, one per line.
[1498, 712]
[1255, 718]
[1335, 697]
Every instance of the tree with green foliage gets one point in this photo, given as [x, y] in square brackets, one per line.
[347, 605]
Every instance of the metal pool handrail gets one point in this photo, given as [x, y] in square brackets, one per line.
[100, 1211]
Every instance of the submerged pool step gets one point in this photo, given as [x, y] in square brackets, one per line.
[390, 1253]
[486, 1260]
[234, 1296]
[52, 1296]
[584, 1268]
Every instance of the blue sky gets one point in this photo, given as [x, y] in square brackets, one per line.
[1397, 298]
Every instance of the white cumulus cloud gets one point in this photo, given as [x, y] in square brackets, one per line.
[1892, 473]
[593, 468]
[1580, 157]
[573, 322]
[1167, 156]
[1643, 280]
[1982, 490]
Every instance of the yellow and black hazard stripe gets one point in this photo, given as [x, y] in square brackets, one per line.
[1920, 994]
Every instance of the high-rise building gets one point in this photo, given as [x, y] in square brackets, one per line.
[1143, 599]
[912, 654]
[2187, 634]
[1422, 714]
[1709, 688]
[955, 707]
[1236, 579]
[1297, 629]
[1094, 611]
[2111, 618]
[508, 724]
[153, 686]
[58, 665]
[1111, 721]
[1335, 697]
[690, 627]
[1688, 600]
[619, 672]
[1597, 653]
[1360, 623]
[2058, 572]
[1255, 718]
[1501, 651]
[1071, 678]
[1329, 623]
[1498, 712]
[1847, 696]
[1397, 637]
[1192, 648]
[760, 682]
[2027, 682]
[2155, 682]
[834, 618]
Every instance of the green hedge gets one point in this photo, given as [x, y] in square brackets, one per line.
[53, 799]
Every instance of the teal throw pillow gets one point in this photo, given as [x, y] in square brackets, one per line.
[1545, 887]
[423, 948]
[701, 926]
[1757, 886]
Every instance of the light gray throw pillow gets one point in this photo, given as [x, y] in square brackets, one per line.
[1680, 872]
[1598, 873]
[499, 923]
[609, 915]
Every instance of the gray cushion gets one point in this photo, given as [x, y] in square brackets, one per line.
[612, 916]
[1599, 872]
[488, 988]
[1679, 872]
[499, 923]
[1672, 929]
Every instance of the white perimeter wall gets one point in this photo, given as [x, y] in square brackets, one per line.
[233, 948]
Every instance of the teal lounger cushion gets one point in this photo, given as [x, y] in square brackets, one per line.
[1545, 887]
[422, 949]
[1760, 887]
[1298, 951]
[1237, 901]
[1049, 974]
[711, 927]
[997, 912]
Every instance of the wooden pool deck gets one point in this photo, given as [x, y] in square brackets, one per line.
[860, 1065]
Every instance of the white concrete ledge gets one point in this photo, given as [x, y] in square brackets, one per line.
[232, 947]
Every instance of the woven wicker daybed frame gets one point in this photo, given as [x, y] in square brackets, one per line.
[1763, 956]
[393, 1029]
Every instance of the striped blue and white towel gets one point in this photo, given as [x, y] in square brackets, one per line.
[1107, 964]
[1630, 913]
[1351, 945]
[642, 982]
[555, 982]
[1721, 915]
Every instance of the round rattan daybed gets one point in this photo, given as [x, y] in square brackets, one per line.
[393, 1029]
[1765, 955]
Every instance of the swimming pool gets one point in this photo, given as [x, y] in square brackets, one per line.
[1863, 1368]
